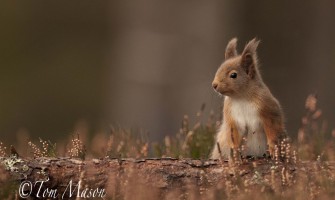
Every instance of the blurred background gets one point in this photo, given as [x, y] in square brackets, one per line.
[147, 63]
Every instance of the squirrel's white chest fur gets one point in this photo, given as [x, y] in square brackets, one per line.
[247, 119]
[245, 115]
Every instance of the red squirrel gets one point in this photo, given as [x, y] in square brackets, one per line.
[249, 108]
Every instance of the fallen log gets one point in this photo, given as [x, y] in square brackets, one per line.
[64, 178]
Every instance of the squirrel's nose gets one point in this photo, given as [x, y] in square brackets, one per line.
[215, 85]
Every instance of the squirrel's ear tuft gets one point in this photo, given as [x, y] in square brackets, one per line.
[249, 57]
[231, 49]
[251, 47]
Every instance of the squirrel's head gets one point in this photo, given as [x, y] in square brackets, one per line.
[237, 72]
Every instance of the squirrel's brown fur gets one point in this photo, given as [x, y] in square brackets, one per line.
[250, 110]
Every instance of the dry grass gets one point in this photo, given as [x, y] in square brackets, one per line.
[313, 142]
[77, 148]
[192, 141]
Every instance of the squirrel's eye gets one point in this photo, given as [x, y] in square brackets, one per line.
[233, 75]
